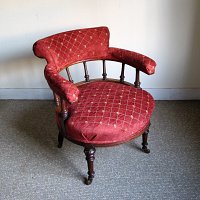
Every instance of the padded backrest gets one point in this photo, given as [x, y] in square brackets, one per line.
[70, 47]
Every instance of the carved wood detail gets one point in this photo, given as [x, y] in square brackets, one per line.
[137, 79]
[104, 70]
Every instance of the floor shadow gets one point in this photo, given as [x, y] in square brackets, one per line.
[35, 122]
[36, 127]
[133, 144]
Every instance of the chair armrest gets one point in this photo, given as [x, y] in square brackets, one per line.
[62, 87]
[139, 61]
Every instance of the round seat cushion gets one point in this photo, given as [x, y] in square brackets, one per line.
[108, 113]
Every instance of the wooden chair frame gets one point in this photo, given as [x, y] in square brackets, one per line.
[66, 49]
[89, 149]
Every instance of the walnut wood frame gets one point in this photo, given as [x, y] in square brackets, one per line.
[89, 149]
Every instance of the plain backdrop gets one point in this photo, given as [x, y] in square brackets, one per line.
[165, 30]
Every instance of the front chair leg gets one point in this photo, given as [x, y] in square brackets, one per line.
[144, 141]
[89, 153]
[60, 139]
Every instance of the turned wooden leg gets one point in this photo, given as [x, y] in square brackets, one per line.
[144, 141]
[89, 153]
[60, 139]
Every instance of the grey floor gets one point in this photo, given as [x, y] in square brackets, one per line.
[32, 167]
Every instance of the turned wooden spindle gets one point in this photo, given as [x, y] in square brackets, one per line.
[122, 73]
[104, 70]
[137, 79]
[86, 72]
[69, 75]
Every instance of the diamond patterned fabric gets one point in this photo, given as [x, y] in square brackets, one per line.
[64, 49]
[61, 86]
[109, 113]
[137, 60]
[72, 46]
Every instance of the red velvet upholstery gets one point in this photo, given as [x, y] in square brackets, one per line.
[64, 49]
[108, 113]
[127, 110]
[139, 61]
[96, 113]
[61, 86]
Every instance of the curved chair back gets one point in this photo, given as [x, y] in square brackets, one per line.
[71, 47]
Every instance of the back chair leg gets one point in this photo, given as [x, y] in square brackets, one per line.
[90, 156]
[144, 141]
[60, 139]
